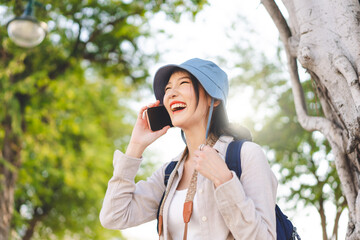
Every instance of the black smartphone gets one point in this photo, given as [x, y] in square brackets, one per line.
[158, 117]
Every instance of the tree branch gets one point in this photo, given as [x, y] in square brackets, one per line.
[30, 230]
[339, 211]
[309, 123]
[343, 169]
[73, 53]
[322, 217]
[98, 29]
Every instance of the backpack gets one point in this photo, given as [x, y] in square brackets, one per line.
[284, 228]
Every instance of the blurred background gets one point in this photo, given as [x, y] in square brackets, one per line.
[69, 102]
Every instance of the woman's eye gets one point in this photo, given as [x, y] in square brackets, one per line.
[184, 82]
[167, 88]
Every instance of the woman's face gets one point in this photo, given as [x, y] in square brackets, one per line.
[180, 101]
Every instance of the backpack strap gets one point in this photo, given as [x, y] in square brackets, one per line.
[233, 159]
[284, 228]
[168, 170]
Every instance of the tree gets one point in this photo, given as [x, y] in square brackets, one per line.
[303, 160]
[59, 110]
[70, 133]
[324, 37]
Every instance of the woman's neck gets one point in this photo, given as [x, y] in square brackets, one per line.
[194, 139]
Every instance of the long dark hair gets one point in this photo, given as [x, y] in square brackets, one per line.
[220, 124]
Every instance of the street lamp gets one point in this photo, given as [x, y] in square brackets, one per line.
[26, 31]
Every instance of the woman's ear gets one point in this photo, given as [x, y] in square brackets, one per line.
[217, 103]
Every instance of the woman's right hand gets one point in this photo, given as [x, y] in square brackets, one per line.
[142, 136]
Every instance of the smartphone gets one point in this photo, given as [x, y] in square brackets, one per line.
[158, 117]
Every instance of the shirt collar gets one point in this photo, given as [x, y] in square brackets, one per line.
[222, 144]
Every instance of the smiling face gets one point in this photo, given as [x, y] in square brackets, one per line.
[186, 109]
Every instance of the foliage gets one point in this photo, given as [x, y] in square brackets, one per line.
[67, 156]
[67, 102]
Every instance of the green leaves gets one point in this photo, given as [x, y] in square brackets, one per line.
[66, 102]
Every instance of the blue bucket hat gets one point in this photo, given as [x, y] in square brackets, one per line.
[211, 77]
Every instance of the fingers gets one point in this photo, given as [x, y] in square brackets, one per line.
[204, 148]
[201, 153]
[155, 104]
[142, 111]
[209, 163]
[141, 114]
[205, 153]
[163, 130]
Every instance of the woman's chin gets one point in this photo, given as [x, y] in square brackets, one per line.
[178, 123]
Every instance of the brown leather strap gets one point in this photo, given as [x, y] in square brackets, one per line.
[185, 231]
[160, 225]
[188, 208]
[188, 205]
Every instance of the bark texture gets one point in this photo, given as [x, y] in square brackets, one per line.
[9, 164]
[324, 36]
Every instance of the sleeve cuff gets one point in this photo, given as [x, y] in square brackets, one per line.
[125, 166]
[230, 192]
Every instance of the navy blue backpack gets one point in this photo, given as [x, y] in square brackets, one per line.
[284, 228]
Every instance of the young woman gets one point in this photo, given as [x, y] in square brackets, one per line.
[224, 207]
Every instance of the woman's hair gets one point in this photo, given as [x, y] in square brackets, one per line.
[219, 122]
[220, 125]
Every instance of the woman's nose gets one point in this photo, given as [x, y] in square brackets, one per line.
[172, 93]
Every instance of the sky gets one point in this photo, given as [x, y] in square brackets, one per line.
[208, 37]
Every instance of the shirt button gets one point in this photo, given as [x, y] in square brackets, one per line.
[201, 191]
[204, 219]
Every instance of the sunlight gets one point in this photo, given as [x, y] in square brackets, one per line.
[239, 107]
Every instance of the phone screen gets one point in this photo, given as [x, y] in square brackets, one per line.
[158, 117]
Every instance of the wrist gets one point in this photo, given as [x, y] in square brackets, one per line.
[225, 178]
[134, 150]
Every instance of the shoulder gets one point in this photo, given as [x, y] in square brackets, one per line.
[251, 148]
[253, 157]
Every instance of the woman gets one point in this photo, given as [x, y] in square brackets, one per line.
[224, 207]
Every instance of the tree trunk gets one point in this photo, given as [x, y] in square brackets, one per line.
[9, 164]
[324, 35]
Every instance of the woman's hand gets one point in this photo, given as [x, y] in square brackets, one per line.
[142, 136]
[209, 164]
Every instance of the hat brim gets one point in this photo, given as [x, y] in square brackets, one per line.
[161, 78]
[163, 75]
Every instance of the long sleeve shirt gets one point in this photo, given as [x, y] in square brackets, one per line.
[243, 209]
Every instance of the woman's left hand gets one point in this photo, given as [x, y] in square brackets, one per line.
[209, 164]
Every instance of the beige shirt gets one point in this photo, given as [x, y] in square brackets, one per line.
[242, 209]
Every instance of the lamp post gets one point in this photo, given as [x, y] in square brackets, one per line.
[26, 31]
